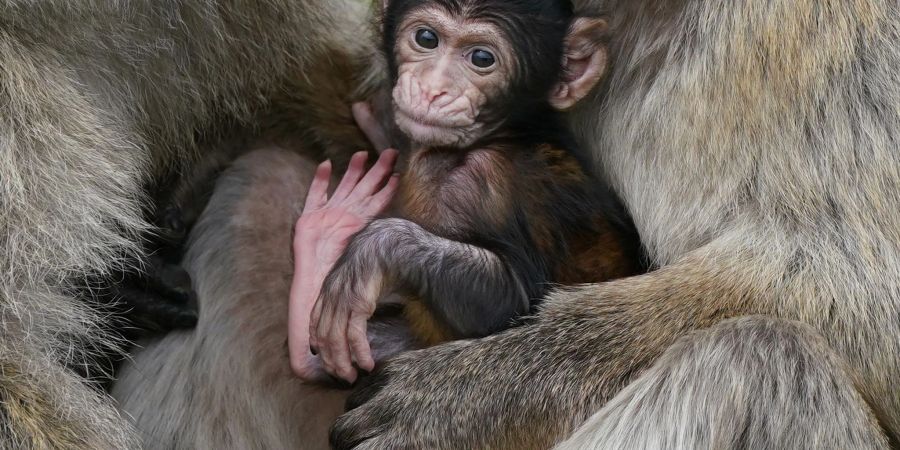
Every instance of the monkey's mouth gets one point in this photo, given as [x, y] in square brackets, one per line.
[433, 132]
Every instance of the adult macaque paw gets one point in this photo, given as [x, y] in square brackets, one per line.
[472, 394]
[415, 402]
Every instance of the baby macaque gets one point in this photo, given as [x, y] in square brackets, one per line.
[494, 206]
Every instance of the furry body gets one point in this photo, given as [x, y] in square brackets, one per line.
[97, 101]
[756, 148]
[228, 383]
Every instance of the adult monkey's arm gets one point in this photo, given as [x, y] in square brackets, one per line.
[583, 347]
[531, 386]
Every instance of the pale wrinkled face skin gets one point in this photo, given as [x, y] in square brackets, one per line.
[441, 91]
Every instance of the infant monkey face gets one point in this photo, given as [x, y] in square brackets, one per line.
[449, 68]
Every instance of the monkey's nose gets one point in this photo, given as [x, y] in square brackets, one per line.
[434, 95]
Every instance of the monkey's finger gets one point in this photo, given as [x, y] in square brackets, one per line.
[332, 342]
[359, 341]
[351, 177]
[338, 347]
[318, 334]
[376, 175]
[366, 121]
[318, 190]
[383, 197]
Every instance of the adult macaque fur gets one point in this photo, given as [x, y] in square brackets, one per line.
[756, 148]
[228, 383]
[99, 101]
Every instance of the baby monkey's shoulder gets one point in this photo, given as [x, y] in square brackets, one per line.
[554, 170]
[562, 163]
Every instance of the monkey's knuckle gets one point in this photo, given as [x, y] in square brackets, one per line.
[336, 304]
[303, 370]
[334, 336]
[360, 306]
[347, 373]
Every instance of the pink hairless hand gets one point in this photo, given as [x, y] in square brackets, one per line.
[322, 234]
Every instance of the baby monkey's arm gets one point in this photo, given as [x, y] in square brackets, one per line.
[470, 290]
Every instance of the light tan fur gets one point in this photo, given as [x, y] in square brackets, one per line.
[228, 383]
[784, 199]
[756, 147]
[741, 370]
[96, 100]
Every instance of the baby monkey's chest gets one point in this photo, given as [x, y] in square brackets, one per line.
[454, 192]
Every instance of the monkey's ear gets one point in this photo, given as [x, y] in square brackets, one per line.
[584, 62]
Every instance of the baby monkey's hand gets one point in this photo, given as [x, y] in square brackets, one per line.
[321, 236]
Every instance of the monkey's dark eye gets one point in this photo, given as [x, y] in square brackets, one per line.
[427, 39]
[483, 59]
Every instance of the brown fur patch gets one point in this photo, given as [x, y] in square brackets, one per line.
[442, 189]
[561, 164]
[318, 106]
[427, 329]
[604, 255]
[557, 166]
